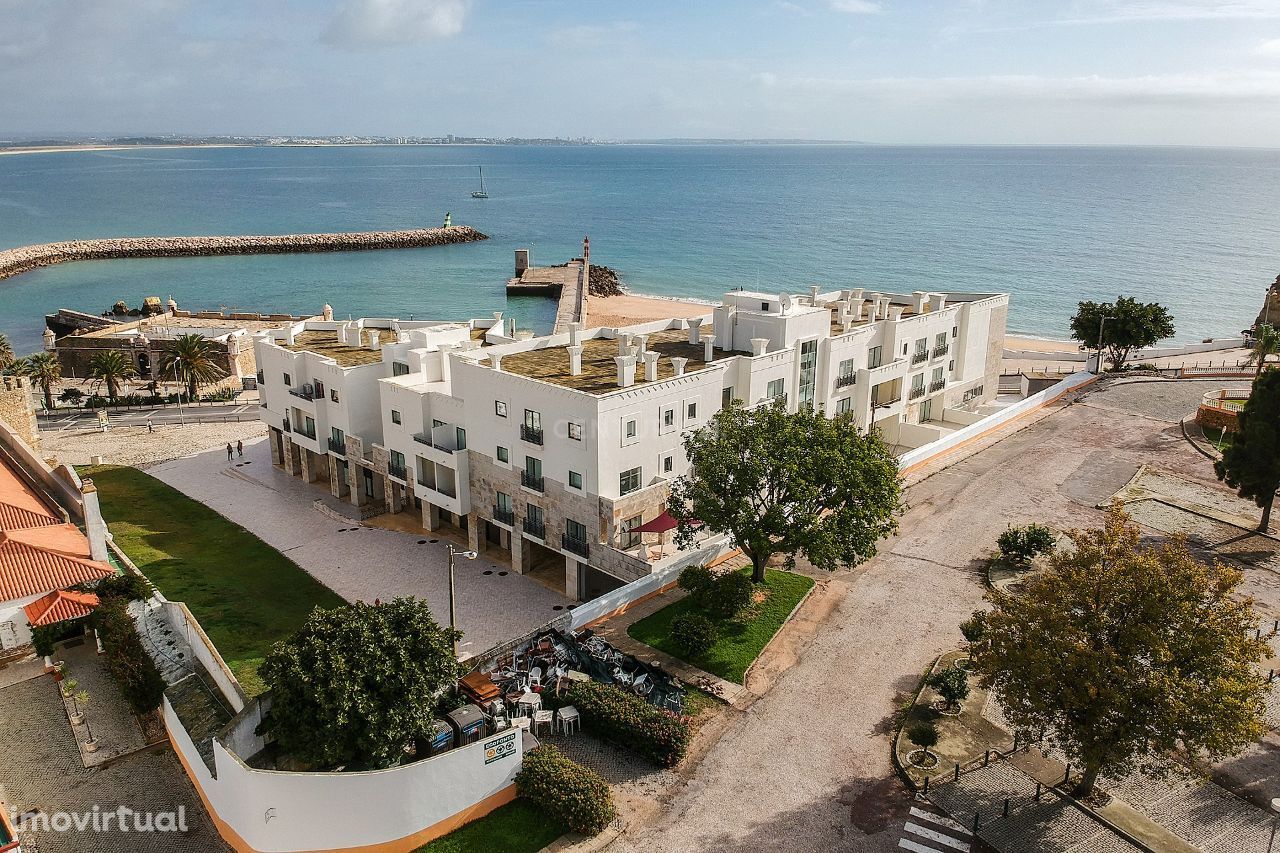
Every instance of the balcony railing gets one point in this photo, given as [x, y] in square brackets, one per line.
[531, 434]
[919, 356]
[846, 381]
[506, 516]
[397, 471]
[576, 545]
[444, 490]
[531, 482]
[339, 447]
[535, 528]
[878, 403]
[917, 393]
[306, 392]
[941, 349]
[424, 438]
[937, 385]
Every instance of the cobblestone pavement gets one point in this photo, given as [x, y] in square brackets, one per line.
[358, 562]
[40, 769]
[1162, 399]
[807, 766]
[133, 444]
[109, 719]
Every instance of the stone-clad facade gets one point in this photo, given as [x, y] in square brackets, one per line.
[17, 411]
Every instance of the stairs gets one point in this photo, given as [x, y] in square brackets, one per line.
[201, 712]
[167, 648]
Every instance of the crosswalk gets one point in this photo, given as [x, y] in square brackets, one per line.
[928, 831]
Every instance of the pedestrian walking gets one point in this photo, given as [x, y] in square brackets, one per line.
[150, 427]
[240, 449]
[230, 452]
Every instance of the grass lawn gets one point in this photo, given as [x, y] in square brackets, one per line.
[246, 594]
[1217, 438]
[741, 638]
[517, 827]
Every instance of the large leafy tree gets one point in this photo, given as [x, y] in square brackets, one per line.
[1266, 342]
[192, 361]
[1129, 325]
[1122, 652]
[788, 483]
[110, 367]
[1250, 464]
[357, 683]
[44, 369]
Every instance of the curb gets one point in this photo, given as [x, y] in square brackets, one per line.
[1186, 433]
[572, 842]
[901, 771]
[746, 674]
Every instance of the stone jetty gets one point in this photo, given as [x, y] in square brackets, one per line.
[26, 258]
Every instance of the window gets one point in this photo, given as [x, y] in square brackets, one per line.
[668, 464]
[917, 382]
[462, 439]
[435, 423]
[533, 467]
[691, 411]
[575, 480]
[503, 455]
[764, 306]
[846, 369]
[776, 389]
[500, 408]
[288, 380]
[533, 514]
[532, 419]
[937, 374]
[575, 530]
[940, 340]
[399, 368]
[844, 405]
[395, 416]
[954, 331]
[504, 502]
[630, 430]
[575, 431]
[337, 436]
[319, 386]
[922, 344]
[629, 481]
[311, 426]
[628, 538]
[875, 357]
[726, 397]
[333, 394]
[669, 417]
[808, 370]
[397, 461]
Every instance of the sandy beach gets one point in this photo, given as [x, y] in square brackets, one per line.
[629, 309]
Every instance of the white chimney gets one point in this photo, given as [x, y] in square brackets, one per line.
[374, 334]
[677, 364]
[626, 370]
[495, 361]
[918, 298]
[759, 346]
[497, 320]
[856, 294]
[446, 366]
[708, 348]
[574, 329]
[624, 344]
[848, 325]
[94, 527]
[939, 301]
[650, 366]
[288, 334]
[694, 326]
[813, 294]
[895, 312]
[856, 314]
[873, 308]
[326, 312]
[575, 359]
[641, 342]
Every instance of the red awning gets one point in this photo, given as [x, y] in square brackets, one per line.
[664, 522]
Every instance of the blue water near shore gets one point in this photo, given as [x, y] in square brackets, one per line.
[1195, 229]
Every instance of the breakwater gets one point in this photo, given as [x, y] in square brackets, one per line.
[25, 258]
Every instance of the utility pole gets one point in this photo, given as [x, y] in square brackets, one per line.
[453, 612]
[1102, 321]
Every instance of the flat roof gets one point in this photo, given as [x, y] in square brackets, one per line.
[326, 343]
[599, 371]
[167, 324]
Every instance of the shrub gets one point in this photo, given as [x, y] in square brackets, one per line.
[574, 794]
[726, 595]
[629, 721]
[129, 587]
[923, 734]
[973, 628]
[952, 685]
[1020, 545]
[694, 633]
[223, 395]
[71, 395]
[126, 659]
[695, 578]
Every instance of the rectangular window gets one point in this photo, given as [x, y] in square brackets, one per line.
[937, 374]
[917, 382]
[691, 411]
[844, 405]
[846, 369]
[533, 467]
[333, 394]
[954, 331]
[922, 344]
[399, 368]
[776, 388]
[319, 386]
[288, 380]
[668, 417]
[629, 481]
[500, 408]
[533, 513]
[311, 426]
[504, 502]
[808, 372]
[575, 530]
[462, 439]
[875, 357]
[503, 455]
[726, 397]
[395, 416]
[630, 431]
[532, 419]
[628, 538]
[575, 480]
[397, 460]
[668, 464]
[575, 432]
[940, 340]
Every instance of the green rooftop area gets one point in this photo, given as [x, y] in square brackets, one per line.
[246, 595]
[599, 371]
[327, 344]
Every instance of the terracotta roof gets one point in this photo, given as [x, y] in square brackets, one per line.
[14, 517]
[60, 606]
[43, 559]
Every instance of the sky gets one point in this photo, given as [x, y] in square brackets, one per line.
[1162, 72]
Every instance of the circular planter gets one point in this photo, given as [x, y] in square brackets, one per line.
[941, 708]
[90, 746]
[77, 719]
[921, 760]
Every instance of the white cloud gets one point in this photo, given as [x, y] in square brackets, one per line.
[1269, 48]
[369, 23]
[856, 7]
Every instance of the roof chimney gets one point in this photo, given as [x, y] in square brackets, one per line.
[708, 351]
[650, 366]
[813, 294]
[626, 370]
[873, 310]
[759, 346]
[374, 334]
[497, 320]
[641, 341]
[94, 527]
[939, 301]
[288, 334]
[677, 364]
[495, 361]
[895, 312]
[918, 298]
[575, 359]
[856, 294]
[694, 336]
[574, 329]
[624, 343]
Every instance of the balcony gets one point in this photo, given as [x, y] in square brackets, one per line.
[531, 434]
[846, 381]
[531, 482]
[917, 393]
[504, 516]
[534, 528]
[396, 471]
[575, 545]
[306, 392]
[919, 356]
[937, 385]
[425, 438]
[941, 350]
[338, 447]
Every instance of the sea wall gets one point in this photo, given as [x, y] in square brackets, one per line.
[16, 261]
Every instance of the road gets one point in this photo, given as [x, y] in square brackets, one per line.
[806, 768]
[77, 419]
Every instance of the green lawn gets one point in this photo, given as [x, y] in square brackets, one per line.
[246, 594]
[741, 638]
[1217, 438]
[517, 827]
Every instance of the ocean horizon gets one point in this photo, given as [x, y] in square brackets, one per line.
[1192, 228]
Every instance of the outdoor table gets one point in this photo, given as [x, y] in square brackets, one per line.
[529, 703]
[574, 675]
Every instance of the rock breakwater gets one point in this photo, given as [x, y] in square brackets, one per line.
[25, 258]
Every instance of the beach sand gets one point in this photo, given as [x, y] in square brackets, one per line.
[629, 309]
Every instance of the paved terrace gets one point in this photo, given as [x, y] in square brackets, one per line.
[357, 562]
[326, 343]
[599, 370]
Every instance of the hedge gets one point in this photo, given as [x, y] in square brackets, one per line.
[630, 721]
[574, 794]
[127, 661]
[694, 633]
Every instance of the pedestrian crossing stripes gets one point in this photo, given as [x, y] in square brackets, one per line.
[927, 831]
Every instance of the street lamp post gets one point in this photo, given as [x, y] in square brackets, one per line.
[177, 381]
[453, 612]
[1102, 321]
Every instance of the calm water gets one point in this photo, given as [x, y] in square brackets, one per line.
[1194, 229]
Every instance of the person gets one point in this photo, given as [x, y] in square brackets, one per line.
[150, 428]
[230, 453]
[240, 449]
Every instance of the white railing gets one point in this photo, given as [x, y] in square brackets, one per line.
[1231, 400]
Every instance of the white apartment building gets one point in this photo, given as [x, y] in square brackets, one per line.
[553, 449]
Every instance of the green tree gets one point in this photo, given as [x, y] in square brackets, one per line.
[924, 734]
[1250, 464]
[44, 369]
[111, 366]
[1120, 651]
[1129, 325]
[356, 684]
[783, 483]
[7, 357]
[1020, 545]
[952, 684]
[1266, 342]
[193, 362]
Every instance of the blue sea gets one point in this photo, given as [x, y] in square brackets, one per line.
[1195, 229]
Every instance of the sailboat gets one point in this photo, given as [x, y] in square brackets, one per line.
[480, 193]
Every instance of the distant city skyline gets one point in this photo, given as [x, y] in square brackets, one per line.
[1133, 72]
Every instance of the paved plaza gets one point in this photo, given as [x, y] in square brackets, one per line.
[361, 563]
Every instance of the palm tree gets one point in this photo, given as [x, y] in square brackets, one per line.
[111, 366]
[192, 360]
[1266, 342]
[44, 369]
[6, 353]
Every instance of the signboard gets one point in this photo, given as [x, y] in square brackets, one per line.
[500, 747]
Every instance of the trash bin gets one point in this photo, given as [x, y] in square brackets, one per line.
[467, 723]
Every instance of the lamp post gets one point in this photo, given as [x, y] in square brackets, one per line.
[1102, 321]
[453, 613]
[177, 381]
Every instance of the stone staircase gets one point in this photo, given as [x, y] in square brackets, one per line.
[167, 647]
[201, 711]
